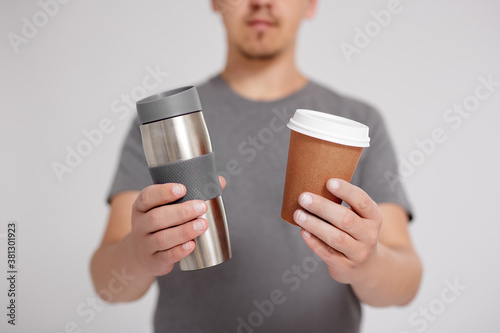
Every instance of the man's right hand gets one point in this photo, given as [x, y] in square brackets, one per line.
[161, 234]
[148, 242]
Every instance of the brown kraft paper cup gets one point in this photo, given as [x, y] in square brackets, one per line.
[311, 163]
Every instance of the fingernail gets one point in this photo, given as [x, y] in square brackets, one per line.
[300, 216]
[199, 207]
[306, 200]
[306, 233]
[199, 225]
[177, 189]
[333, 184]
[187, 246]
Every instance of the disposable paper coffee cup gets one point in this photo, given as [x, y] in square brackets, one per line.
[322, 146]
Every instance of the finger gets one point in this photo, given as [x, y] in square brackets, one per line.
[173, 255]
[171, 215]
[359, 201]
[329, 255]
[222, 182]
[157, 195]
[168, 238]
[330, 235]
[338, 215]
[338, 265]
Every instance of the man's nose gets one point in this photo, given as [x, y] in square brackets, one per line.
[261, 3]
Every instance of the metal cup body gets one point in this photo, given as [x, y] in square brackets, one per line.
[183, 138]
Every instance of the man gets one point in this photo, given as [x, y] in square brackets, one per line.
[274, 282]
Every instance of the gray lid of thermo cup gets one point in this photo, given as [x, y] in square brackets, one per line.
[168, 104]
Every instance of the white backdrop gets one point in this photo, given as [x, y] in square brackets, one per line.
[70, 71]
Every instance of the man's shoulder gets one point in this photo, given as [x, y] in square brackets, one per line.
[213, 91]
[328, 100]
[209, 85]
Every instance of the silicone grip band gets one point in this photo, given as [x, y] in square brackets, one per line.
[197, 174]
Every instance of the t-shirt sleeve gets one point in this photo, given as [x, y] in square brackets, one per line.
[378, 169]
[132, 173]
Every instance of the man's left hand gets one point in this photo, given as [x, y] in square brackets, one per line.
[349, 242]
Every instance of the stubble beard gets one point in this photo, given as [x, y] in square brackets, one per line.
[259, 55]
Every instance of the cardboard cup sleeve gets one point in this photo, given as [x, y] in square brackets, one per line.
[311, 162]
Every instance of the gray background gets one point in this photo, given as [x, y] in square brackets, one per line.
[65, 79]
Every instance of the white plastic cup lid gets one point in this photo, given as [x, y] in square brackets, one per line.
[331, 128]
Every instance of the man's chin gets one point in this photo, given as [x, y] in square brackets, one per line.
[260, 54]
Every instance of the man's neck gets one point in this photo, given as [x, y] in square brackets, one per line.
[263, 80]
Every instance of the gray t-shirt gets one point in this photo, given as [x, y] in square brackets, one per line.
[274, 282]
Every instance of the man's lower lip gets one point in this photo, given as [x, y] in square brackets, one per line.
[260, 26]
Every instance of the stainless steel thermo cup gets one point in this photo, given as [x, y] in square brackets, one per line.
[177, 146]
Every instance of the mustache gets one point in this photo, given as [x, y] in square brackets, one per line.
[262, 15]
